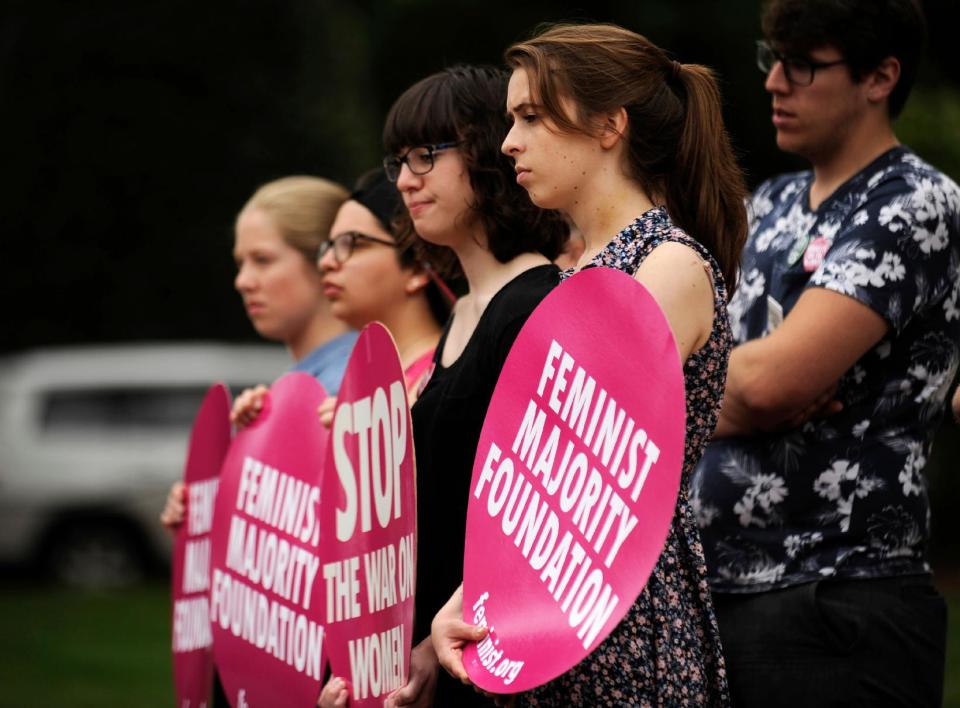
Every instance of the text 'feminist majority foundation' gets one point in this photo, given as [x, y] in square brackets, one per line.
[577, 456]
[273, 530]
[191, 624]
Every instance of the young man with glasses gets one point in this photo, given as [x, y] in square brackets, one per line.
[811, 501]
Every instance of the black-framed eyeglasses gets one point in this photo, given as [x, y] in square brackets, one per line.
[419, 159]
[343, 245]
[799, 72]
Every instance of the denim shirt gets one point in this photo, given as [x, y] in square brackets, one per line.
[327, 362]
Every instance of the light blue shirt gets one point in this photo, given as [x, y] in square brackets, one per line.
[327, 362]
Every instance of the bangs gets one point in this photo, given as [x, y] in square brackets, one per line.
[795, 28]
[424, 114]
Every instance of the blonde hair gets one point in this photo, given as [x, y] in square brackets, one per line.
[302, 208]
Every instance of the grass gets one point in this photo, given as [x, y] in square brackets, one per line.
[85, 650]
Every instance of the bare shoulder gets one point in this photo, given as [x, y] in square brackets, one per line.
[677, 266]
[680, 281]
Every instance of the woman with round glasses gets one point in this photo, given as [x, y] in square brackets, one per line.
[368, 275]
[443, 138]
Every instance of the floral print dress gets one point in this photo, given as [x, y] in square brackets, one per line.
[666, 650]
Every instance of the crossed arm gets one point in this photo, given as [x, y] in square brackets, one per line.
[782, 378]
[779, 380]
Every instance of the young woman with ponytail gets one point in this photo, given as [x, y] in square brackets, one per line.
[631, 145]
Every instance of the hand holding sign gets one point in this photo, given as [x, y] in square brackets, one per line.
[192, 658]
[369, 523]
[248, 405]
[575, 480]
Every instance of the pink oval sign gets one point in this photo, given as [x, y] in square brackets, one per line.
[190, 577]
[574, 482]
[267, 626]
[369, 523]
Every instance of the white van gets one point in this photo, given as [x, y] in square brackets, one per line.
[91, 439]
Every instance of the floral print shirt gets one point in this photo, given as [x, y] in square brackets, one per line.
[842, 496]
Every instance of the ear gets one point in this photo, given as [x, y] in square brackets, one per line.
[614, 128]
[416, 282]
[881, 81]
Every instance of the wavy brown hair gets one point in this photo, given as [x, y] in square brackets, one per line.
[467, 104]
[677, 146]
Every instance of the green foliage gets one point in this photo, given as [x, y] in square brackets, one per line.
[930, 124]
[138, 130]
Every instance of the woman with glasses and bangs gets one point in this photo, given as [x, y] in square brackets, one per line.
[442, 138]
[369, 274]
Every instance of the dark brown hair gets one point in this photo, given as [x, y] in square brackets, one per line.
[865, 32]
[677, 146]
[467, 104]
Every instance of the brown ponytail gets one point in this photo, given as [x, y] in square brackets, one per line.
[677, 146]
[706, 190]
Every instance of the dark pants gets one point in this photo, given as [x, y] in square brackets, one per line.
[874, 643]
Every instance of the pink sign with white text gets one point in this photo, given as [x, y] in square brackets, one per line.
[267, 624]
[369, 523]
[575, 480]
[190, 577]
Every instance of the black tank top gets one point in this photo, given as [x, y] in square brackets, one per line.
[447, 419]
